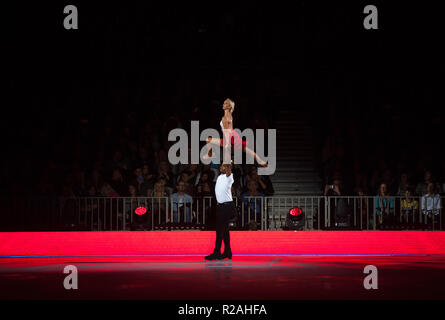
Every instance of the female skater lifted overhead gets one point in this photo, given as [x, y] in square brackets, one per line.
[230, 136]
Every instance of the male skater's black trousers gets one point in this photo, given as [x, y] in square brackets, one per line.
[224, 212]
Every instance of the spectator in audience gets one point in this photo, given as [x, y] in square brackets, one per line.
[117, 161]
[186, 177]
[159, 203]
[148, 180]
[388, 180]
[409, 206]
[158, 190]
[192, 171]
[239, 179]
[164, 173]
[92, 191]
[138, 177]
[378, 172]
[181, 203]
[204, 190]
[168, 189]
[108, 191]
[431, 204]
[384, 204]
[117, 183]
[205, 170]
[263, 182]
[204, 177]
[96, 179]
[252, 203]
[421, 188]
[339, 206]
[334, 188]
[143, 157]
[404, 184]
[133, 191]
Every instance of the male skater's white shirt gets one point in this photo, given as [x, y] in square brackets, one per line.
[223, 188]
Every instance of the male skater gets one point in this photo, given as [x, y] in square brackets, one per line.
[224, 211]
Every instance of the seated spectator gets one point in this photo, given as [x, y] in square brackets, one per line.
[239, 179]
[252, 203]
[117, 183]
[431, 204]
[167, 188]
[138, 177]
[421, 188]
[403, 184]
[186, 177]
[384, 204]
[204, 190]
[92, 191]
[131, 203]
[146, 172]
[96, 179]
[117, 161]
[180, 204]
[108, 191]
[164, 173]
[263, 182]
[158, 203]
[205, 171]
[147, 179]
[388, 180]
[133, 191]
[143, 157]
[158, 190]
[409, 206]
[204, 178]
[193, 174]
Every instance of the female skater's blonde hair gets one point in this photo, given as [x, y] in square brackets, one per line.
[232, 104]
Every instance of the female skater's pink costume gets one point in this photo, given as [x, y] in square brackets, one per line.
[235, 139]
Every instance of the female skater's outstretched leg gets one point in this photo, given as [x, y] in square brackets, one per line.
[260, 161]
[215, 142]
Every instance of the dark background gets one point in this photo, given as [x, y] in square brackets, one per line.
[152, 60]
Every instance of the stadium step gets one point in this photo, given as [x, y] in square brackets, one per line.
[295, 173]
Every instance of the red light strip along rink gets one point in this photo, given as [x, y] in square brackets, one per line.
[202, 242]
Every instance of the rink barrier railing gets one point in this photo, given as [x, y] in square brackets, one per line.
[257, 213]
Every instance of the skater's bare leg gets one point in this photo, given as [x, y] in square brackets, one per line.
[260, 161]
[213, 141]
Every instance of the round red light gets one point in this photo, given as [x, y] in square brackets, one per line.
[295, 211]
[140, 211]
